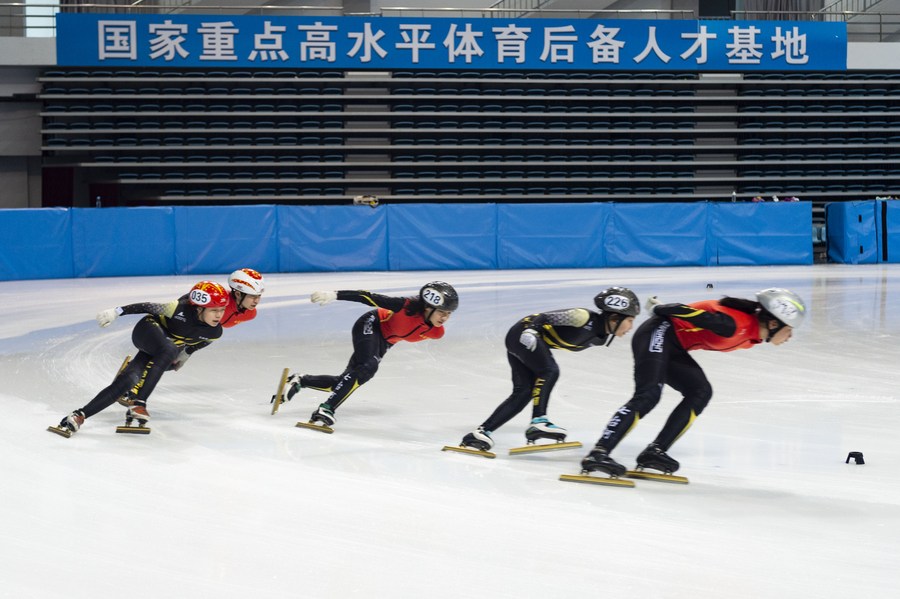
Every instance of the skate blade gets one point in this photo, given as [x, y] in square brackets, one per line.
[316, 427]
[469, 450]
[544, 447]
[666, 478]
[596, 480]
[133, 430]
[278, 398]
[62, 432]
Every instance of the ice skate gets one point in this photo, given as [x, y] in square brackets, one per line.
[655, 458]
[137, 413]
[69, 425]
[478, 442]
[321, 420]
[541, 428]
[479, 439]
[599, 461]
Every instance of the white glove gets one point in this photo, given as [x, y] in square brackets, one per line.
[652, 302]
[323, 297]
[105, 318]
[180, 361]
[529, 338]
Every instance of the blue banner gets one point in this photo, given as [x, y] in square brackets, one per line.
[240, 41]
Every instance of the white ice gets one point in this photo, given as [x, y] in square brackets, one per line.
[225, 500]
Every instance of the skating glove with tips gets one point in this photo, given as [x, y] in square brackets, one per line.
[323, 297]
[180, 360]
[529, 338]
[106, 317]
[652, 302]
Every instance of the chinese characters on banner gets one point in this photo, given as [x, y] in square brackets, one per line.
[415, 43]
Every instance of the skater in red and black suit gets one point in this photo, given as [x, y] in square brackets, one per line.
[165, 338]
[247, 287]
[535, 372]
[661, 346]
[395, 319]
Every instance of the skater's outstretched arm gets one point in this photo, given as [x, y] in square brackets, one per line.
[718, 323]
[106, 317]
[394, 304]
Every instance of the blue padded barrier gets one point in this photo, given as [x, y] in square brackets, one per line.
[891, 219]
[36, 244]
[657, 235]
[551, 235]
[442, 236]
[760, 233]
[210, 239]
[852, 229]
[116, 242]
[329, 238]
[62, 243]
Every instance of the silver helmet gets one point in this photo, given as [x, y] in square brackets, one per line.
[784, 305]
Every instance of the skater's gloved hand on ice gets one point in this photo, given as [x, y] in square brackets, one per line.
[106, 317]
[652, 302]
[529, 338]
[180, 360]
[323, 297]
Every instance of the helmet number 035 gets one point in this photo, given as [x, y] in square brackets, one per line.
[199, 297]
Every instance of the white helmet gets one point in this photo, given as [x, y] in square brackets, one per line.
[784, 305]
[247, 281]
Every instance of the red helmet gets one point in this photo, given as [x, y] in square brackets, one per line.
[207, 294]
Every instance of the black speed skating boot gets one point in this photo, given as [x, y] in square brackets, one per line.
[656, 459]
[599, 460]
[479, 439]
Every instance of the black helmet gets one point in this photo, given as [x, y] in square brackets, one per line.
[440, 295]
[618, 300]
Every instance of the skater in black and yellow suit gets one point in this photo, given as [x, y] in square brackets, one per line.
[396, 319]
[535, 372]
[165, 338]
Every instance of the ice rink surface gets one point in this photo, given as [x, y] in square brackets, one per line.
[225, 500]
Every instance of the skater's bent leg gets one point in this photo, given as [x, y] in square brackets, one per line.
[652, 346]
[319, 382]
[119, 387]
[523, 382]
[149, 337]
[688, 378]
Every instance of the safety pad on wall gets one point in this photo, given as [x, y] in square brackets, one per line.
[552, 235]
[115, 242]
[853, 232]
[657, 235]
[760, 233]
[442, 236]
[36, 244]
[210, 239]
[332, 238]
